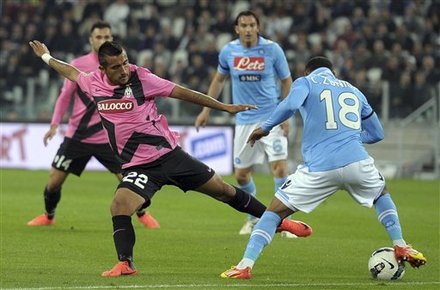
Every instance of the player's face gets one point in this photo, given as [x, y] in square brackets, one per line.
[247, 30]
[98, 37]
[117, 69]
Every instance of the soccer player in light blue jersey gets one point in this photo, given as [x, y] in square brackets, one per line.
[254, 65]
[337, 121]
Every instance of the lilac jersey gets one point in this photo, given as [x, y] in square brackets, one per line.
[254, 72]
[137, 133]
[84, 123]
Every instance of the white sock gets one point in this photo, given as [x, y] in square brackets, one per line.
[244, 263]
[400, 243]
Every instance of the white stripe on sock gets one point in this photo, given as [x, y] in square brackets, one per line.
[263, 234]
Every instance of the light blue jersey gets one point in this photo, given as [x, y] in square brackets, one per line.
[254, 72]
[337, 120]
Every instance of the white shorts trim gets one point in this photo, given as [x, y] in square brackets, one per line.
[305, 190]
[274, 146]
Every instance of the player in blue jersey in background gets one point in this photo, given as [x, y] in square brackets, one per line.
[254, 65]
[337, 120]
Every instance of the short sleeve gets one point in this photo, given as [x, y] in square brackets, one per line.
[223, 66]
[84, 82]
[281, 64]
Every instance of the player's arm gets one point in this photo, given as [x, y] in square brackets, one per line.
[372, 130]
[60, 109]
[285, 89]
[195, 97]
[215, 88]
[65, 69]
[281, 113]
[284, 110]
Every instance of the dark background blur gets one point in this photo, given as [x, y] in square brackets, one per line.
[388, 48]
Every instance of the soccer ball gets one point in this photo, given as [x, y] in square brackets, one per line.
[384, 266]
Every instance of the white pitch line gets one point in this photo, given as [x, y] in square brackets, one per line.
[253, 286]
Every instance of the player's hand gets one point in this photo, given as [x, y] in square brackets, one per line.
[49, 134]
[38, 47]
[202, 119]
[285, 127]
[233, 109]
[257, 134]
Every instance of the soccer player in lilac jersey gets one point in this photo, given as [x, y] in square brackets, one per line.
[85, 137]
[150, 156]
[254, 64]
[337, 120]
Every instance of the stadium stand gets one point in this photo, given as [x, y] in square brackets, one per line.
[390, 49]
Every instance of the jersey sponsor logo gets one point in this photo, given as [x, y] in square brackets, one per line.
[250, 78]
[249, 63]
[115, 106]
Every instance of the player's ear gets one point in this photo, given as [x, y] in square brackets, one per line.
[101, 68]
[236, 29]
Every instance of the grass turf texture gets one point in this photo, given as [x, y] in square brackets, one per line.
[199, 239]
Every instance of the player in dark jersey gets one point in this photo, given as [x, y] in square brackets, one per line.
[125, 95]
[85, 137]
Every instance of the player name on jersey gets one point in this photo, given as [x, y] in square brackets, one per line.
[249, 63]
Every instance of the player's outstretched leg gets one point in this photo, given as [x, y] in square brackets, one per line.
[245, 202]
[145, 218]
[294, 227]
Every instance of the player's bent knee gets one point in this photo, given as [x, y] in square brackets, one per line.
[279, 168]
[126, 202]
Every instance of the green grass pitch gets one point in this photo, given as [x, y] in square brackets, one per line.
[199, 239]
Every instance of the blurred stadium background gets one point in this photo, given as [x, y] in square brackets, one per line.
[390, 49]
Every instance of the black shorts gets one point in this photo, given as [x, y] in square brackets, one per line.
[73, 156]
[176, 168]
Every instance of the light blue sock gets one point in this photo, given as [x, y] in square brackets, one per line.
[262, 235]
[251, 189]
[278, 182]
[387, 214]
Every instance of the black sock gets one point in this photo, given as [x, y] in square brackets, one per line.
[245, 202]
[142, 211]
[51, 200]
[124, 237]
